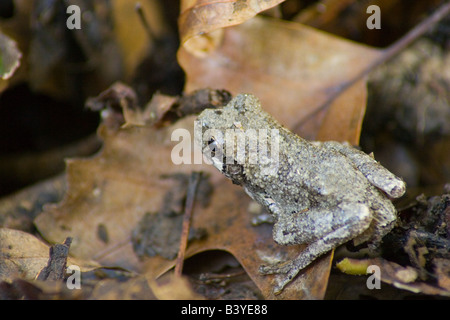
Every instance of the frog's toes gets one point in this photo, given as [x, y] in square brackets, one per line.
[283, 280]
[276, 268]
[285, 272]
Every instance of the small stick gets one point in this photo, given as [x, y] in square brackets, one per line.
[144, 21]
[56, 266]
[210, 277]
[386, 54]
[192, 188]
[415, 33]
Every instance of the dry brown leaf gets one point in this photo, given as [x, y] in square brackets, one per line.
[9, 57]
[113, 289]
[19, 210]
[342, 120]
[302, 76]
[405, 278]
[39, 27]
[199, 17]
[18, 28]
[115, 189]
[173, 288]
[297, 72]
[23, 256]
[20, 289]
[309, 80]
[126, 22]
[229, 228]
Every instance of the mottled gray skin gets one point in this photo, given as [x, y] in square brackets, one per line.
[322, 193]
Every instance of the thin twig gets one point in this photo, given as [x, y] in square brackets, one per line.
[144, 21]
[192, 189]
[385, 55]
[415, 33]
[211, 277]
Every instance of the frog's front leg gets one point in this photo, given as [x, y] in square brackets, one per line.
[323, 229]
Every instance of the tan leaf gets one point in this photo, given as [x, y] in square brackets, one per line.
[125, 181]
[297, 72]
[173, 288]
[112, 192]
[200, 17]
[126, 22]
[9, 57]
[22, 255]
[309, 80]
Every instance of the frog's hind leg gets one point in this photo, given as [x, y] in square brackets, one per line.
[384, 218]
[378, 175]
[325, 229]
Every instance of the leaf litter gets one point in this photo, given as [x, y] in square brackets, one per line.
[313, 83]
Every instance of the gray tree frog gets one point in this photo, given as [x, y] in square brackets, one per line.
[322, 194]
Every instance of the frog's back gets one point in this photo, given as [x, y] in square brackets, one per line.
[306, 170]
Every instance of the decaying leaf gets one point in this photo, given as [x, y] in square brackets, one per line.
[418, 248]
[19, 210]
[312, 82]
[405, 278]
[9, 57]
[304, 78]
[121, 103]
[20, 289]
[136, 288]
[297, 72]
[160, 233]
[173, 288]
[126, 21]
[115, 189]
[75, 63]
[23, 256]
[124, 182]
[17, 28]
[200, 17]
[57, 263]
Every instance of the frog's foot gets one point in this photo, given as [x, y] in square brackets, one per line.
[377, 175]
[286, 271]
[280, 267]
[350, 221]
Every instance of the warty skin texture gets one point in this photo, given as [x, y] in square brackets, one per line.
[320, 193]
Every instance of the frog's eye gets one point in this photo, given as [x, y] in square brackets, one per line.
[211, 141]
[212, 144]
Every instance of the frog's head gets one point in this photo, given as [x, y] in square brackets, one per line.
[220, 130]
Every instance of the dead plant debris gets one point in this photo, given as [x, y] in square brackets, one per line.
[116, 212]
